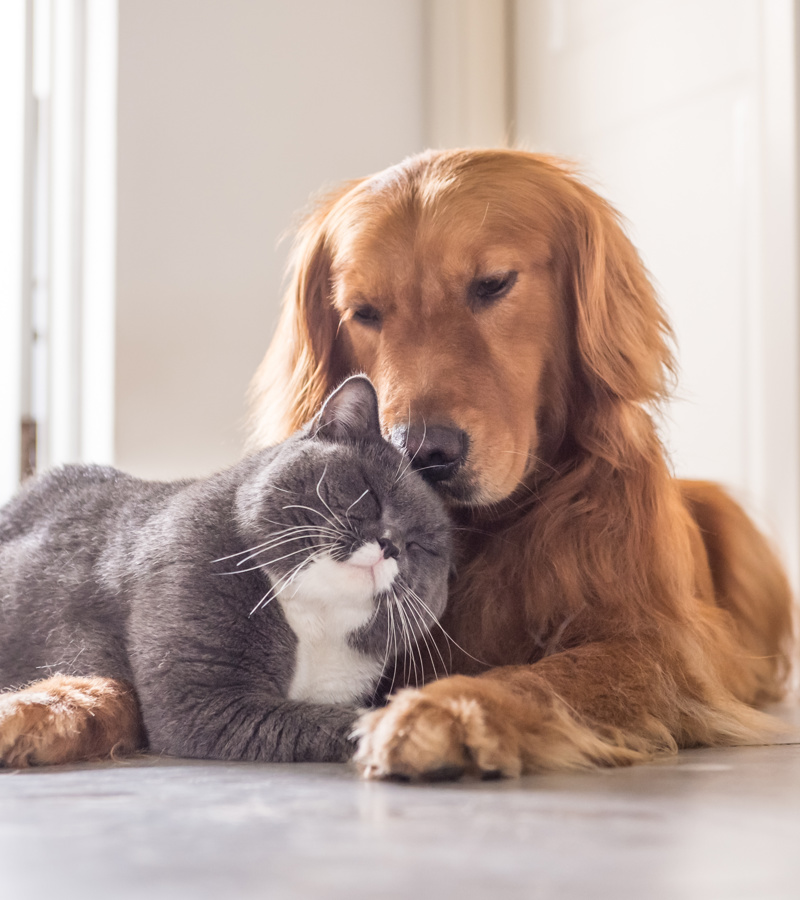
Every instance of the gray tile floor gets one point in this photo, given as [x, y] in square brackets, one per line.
[707, 824]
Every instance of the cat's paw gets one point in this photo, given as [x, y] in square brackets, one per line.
[450, 728]
[66, 719]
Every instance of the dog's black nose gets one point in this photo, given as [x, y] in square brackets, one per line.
[436, 451]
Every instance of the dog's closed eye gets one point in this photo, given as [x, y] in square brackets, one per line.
[488, 289]
[367, 315]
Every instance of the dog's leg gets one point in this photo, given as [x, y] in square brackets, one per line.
[66, 719]
[601, 704]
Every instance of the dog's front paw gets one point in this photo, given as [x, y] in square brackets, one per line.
[64, 719]
[455, 726]
[31, 731]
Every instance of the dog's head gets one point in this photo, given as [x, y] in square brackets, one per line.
[503, 316]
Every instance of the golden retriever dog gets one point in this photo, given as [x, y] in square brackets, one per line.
[602, 611]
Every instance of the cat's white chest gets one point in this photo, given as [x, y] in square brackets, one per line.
[323, 607]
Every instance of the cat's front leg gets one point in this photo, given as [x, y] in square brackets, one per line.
[230, 725]
[68, 719]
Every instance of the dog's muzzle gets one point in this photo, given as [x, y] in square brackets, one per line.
[437, 452]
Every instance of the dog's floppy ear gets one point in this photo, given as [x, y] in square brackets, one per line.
[304, 360]
[622, 334]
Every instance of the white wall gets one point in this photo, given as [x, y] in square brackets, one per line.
[683, 114]
[231, 113]
[12, 147]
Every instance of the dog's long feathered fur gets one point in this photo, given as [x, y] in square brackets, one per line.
[621, 612]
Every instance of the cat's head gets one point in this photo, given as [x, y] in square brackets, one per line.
[348, 525]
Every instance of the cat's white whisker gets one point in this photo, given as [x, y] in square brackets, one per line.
[411, 461]
[408, 640]
[402, 455]
[275, 535]
[385, 649]
[234, 555]
[310, 560]
[442, 629]
[322, 501]
[424, 630]
[393, 632]
[355, 501]
[262, 602]
[271, 562]
[425, 633]
[310, 533]
[398, 643]
[311, 509]
[322, 548]
[283, 582]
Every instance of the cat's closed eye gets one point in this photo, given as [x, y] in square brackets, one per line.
[366, 506]
[415, 546]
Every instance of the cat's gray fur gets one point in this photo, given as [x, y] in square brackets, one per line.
[102, 574]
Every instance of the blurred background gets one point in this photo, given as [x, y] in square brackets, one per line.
[155, 152]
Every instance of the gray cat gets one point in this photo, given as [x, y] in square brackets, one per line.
[252, 610]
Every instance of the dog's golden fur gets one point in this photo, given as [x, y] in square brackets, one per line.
[63, 719]
[618, 612]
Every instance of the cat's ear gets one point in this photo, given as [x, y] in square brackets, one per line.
[350, 413]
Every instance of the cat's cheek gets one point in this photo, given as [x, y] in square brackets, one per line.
[385, 574]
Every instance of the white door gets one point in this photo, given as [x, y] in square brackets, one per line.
[682, 113]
